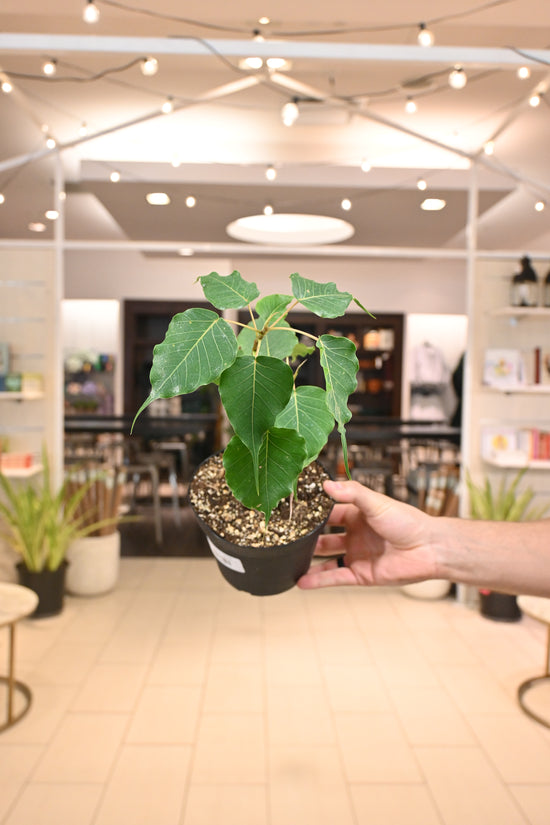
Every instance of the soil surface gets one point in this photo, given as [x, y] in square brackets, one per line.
[216, 505]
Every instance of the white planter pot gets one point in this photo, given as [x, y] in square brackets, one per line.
[93, 565]
[431, 589]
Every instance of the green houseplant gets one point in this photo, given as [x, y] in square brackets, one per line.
[502, 503]
[279, 426]
[39, 522]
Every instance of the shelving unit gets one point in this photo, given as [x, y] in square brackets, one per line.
[21, 396]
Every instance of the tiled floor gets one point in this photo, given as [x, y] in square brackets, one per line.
[176, 700]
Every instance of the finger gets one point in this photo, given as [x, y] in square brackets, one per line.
[351, 492]
[327, 574]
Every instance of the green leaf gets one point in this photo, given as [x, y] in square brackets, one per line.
[340, 365]
[277, 343]
[228, 291]
[253, 392]
[322, 299]
[308, 414]
[282, 455]
[273, 306]
[301, 351]
[199, 345]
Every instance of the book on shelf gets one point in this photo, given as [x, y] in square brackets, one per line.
[515, 445]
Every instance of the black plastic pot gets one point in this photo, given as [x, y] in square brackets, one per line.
[262, 571]
[49, 586]
[500, 607]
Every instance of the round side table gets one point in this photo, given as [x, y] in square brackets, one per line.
[16, 602]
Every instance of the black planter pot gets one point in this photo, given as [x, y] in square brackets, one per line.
[500, 607]
[262, 571]
[49, 586]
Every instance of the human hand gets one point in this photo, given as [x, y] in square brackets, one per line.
[385, 541]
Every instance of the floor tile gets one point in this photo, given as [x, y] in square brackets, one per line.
[430, 717]
[514, 745]
[165, 715]
[18, 762]
[387, 804]
[298, 711]
[227, 804]
[534, 801]
[56, 803]
[230, 749]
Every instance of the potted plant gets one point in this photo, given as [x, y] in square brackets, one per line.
[39, 522]
[251, 500]
[505, 503]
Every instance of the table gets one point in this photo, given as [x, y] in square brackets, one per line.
[16, 602]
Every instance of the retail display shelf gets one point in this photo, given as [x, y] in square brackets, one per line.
[23, 472]
[520, 312]
[33, 395]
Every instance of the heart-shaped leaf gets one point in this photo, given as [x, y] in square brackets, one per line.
[281, 459]
[322, 299]
[228, 291]
[340, 365]
[198, 346]
[272, 307]
[308, 414]
[253, 392]
[277, 343]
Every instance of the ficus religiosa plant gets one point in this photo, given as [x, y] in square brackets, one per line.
[279, 428]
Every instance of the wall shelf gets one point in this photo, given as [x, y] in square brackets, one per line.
[527, 389]
[520, 312]
[23, 472]
[21, 396]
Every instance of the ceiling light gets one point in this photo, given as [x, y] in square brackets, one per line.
[7, 87]
[433, 204]
[457, 78]
[489, 147]
[268, 209]
[185, 252]
[51, 214]
[251, 63]
[534, 101]
[176, 161]
[50, 142]
[114, 177]
[83, 130]
[346, 204]
[2, 198]
[410, 106]
[149, 66]
[90, 13]
[49, 67]
[421, 184]
[425, 36]
[365, 165]
[168, 105]
[540, 206]
[524, 72]
[264, 21]
[278, 64]
[62, 195]
[37, 227]
[290, 229]
[157, 198]
[290, 113]
[271, 173]
[190, 201]
[258, 36]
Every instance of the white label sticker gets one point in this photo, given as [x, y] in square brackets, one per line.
[225, 559]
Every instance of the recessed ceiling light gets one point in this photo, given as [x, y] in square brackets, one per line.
[157, 198]
[37, 227]
[185, 252]
[190, 201]
[433, 204]
[281, 228]
[251, 63]
[51, 214]
[278, 64]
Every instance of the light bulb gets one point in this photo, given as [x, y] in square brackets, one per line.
[91, 12]
[290, 113]
[37, 226]
[278, 64]
[114, 177]
[264, 21]
[410, 106]
[534, 101]
[50, 142]
[51, 214]
[7, 87]
[346, 204]
[268, 209]
[251, 63]
[457, 78]
[366, 166]
[524, 72]
[149, 66]
[539, 206]
[157, 198]
[421, 184]
[271, 173]
[49, 67]
[168, 106]
[258, 36]
[2, 198]
[489, 147]
[433, 204]
[425, 36]
[190, 201]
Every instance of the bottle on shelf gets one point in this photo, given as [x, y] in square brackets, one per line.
[524, 291]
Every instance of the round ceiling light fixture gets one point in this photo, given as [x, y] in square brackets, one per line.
[281, 228]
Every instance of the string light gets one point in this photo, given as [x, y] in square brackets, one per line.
[268, 209]
[168, 106]
[271, 173]
[49, 67]
[410, 106]
[457, 78]
[346, 204]
[425, 37]
[524, 72]
[149, 66]
[190, 201]
[90, 13]
[290, 113]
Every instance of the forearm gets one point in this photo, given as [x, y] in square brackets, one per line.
[507, 556]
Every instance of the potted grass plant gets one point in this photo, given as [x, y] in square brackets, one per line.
[503, 503]
[261, 503]
[39, 522]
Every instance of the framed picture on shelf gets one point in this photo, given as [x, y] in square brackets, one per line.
[503, 368]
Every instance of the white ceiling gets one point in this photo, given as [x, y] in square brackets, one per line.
[351, 73]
